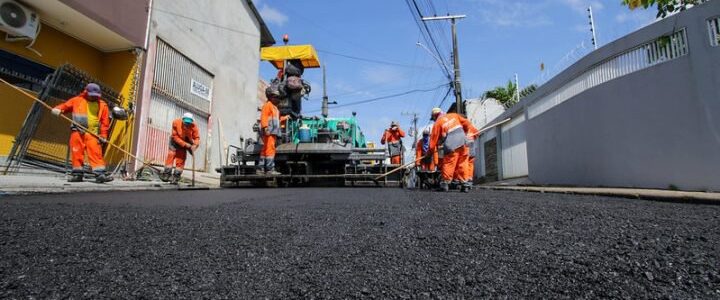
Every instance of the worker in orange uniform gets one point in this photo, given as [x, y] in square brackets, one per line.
[270, 130]
[393, 137]
[428, 163]
[185, 137]
[92, 113]
[470, 168]
[450, 131]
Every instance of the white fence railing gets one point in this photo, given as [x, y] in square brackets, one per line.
[660, 50]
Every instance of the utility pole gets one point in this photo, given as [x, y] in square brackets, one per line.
[325, 96]
[592, 27]
[456, 59]
[414, 122]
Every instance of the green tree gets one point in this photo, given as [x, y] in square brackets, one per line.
[506, 95]
[664, 7]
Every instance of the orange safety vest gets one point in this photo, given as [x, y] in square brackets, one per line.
[450, 130]
[270, 118]
[78, 106]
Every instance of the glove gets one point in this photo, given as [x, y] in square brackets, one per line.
[56, 111]
[188, 145]
[266, 130]
[193, 148]
[103, 140]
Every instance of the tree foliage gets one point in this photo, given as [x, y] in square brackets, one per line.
[664, 7]
[506, 95]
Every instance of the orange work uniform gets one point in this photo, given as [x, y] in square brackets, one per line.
[93, 115]
[470, 167]
[449, 131]
[270, 125]
[183, 137]
[394, 140]
[426, 164]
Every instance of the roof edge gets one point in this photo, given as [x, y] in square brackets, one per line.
[266, 37]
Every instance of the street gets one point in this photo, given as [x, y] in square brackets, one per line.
[355, 243]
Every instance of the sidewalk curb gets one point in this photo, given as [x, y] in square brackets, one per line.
[25, 191]
[643, 194]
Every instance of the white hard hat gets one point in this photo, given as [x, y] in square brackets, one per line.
[188, 118]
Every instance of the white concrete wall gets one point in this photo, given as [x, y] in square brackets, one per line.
[223, 37]
[481, 111]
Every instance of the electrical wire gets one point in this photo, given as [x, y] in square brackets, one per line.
[205, 22]
[372, 60]
[426, 33]
[384, 97]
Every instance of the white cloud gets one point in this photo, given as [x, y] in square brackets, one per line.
[581, 6]
[513, 14]
[272, 15]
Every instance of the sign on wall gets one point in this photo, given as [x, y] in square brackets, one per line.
[200, 90]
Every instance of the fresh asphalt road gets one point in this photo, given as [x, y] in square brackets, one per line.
[355, 243]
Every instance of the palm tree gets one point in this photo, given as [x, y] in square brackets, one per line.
[503, 94]
[507, 95]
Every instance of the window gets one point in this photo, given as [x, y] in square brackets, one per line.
[23, 72]
[714, 31]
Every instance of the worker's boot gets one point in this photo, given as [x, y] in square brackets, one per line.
[270, 167]
[176, 176]
[444, 186]
[465, 187]
[166, 174]
[100, 177]
[76, 176]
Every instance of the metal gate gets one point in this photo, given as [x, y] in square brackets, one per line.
[514, 148]
[43, 138]
[179, 86]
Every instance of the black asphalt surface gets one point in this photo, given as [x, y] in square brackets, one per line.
[355, 243]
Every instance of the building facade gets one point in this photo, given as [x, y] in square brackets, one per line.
[202, 57]
[641, 111]
[101, 40]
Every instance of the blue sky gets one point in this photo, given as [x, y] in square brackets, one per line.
[497, 39]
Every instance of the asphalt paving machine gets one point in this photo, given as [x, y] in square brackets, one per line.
[312, 150]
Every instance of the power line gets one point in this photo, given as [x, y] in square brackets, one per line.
[205, 22]
[385, 97]
[372, 60]
[426, 32]
[362, 90]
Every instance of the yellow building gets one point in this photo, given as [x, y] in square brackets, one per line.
[104, 39]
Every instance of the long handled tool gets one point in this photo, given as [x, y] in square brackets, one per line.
[193, 168]
[412, 163]
[192, 185]
[145, 163]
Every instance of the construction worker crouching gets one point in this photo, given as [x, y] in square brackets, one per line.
[185, 137]
[393, 137]
[450, 131]
[92, 113]
[269, 129]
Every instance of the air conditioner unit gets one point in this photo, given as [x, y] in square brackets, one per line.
[18, 20]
